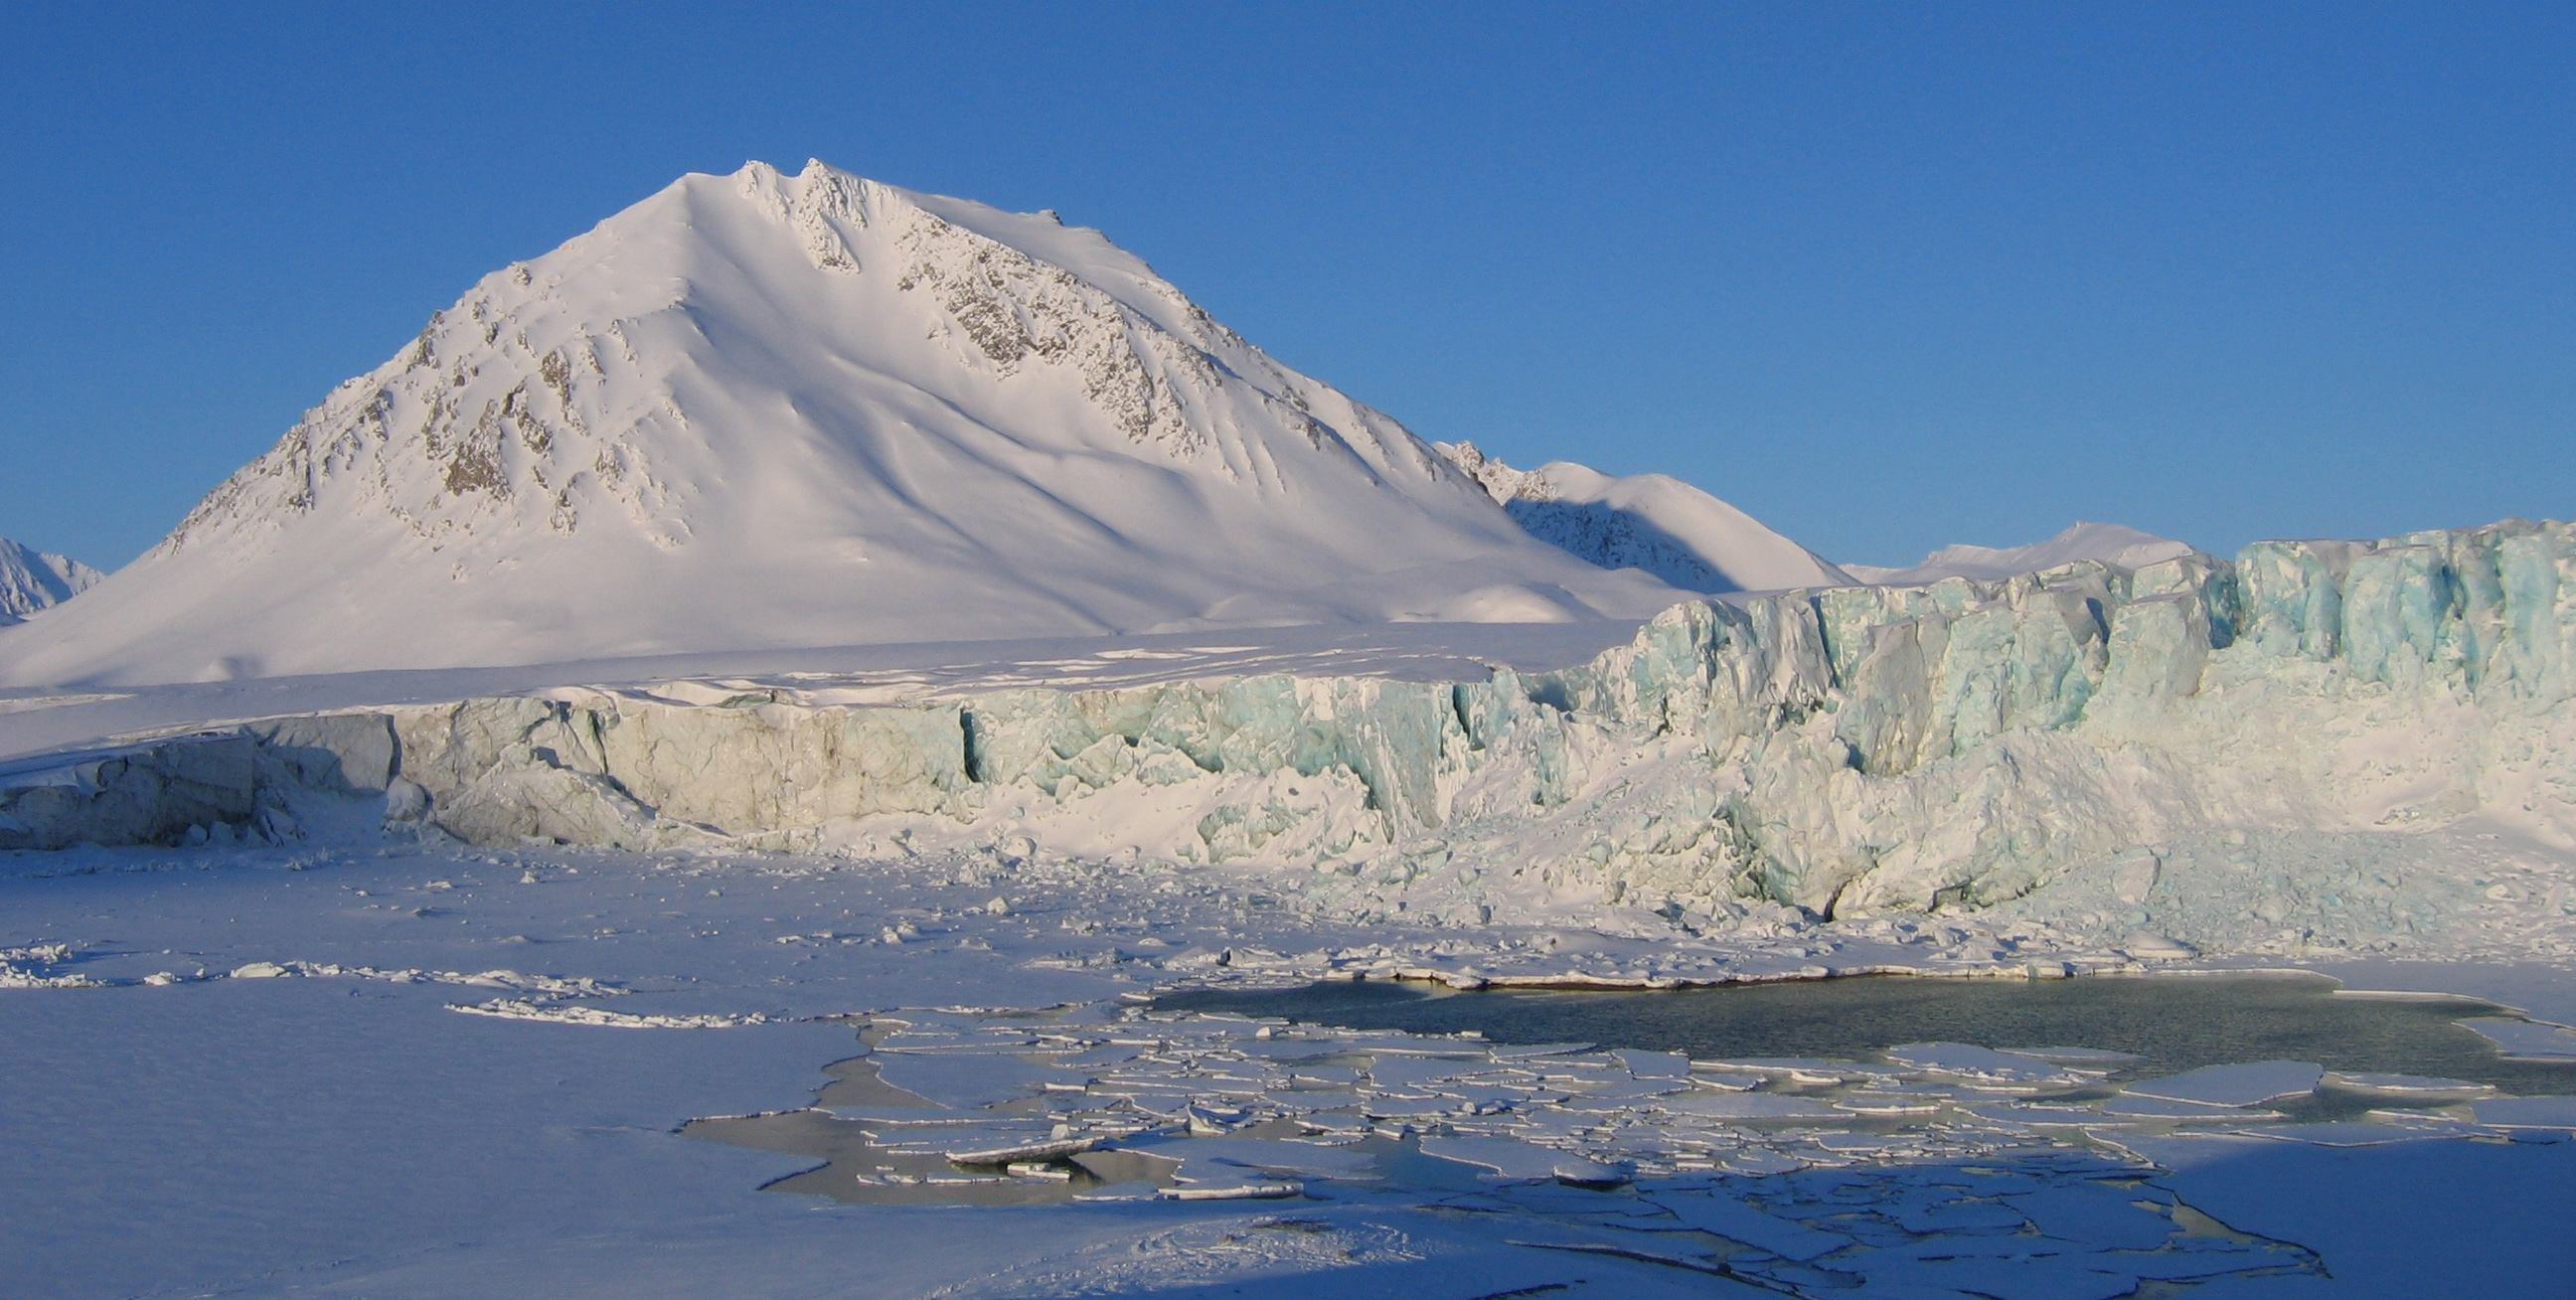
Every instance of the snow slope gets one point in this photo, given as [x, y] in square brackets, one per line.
[1652, 522]
[31, 580]
[768, 411]
[2108, 543]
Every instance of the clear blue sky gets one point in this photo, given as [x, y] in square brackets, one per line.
[1888, 276]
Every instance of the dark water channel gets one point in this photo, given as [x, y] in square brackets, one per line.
[2172, 1023]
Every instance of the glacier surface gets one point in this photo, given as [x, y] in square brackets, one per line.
[2237, 754]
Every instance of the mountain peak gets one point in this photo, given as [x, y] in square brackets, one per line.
[32, 581]
[1650, 522]
[770, 410]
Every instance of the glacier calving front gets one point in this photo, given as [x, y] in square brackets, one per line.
[1848, 752]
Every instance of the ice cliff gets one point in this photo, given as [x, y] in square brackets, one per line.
[1848, 752]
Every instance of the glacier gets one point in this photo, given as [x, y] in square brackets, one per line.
[2191, 747]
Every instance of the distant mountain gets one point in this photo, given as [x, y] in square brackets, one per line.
[2109, 543]
[1652, 522]
[769, 411]
[35, 580]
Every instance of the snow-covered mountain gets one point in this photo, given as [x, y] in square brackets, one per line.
[2109, 543]
[31, 580]
[765, 411]
[1652, 522]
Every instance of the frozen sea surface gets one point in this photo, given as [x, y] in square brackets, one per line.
[253, 1059]
[2131, 1026]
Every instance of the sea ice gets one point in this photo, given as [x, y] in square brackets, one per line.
[2527, 1039]
[2527, 1112]
[2251, 1084]
[1514, 1159]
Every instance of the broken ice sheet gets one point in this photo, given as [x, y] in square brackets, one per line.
[2527, 1040]
[1986, 1065]
[2093, 1057]
[1723, 1213]
[962, 1078]
[1742, 1105]
[1510, 1158]
[2528, 1112]
[2403, 1084]
[2351, 1133]
[2185, 1112]
[1267, 1155]
[2235, 1085]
